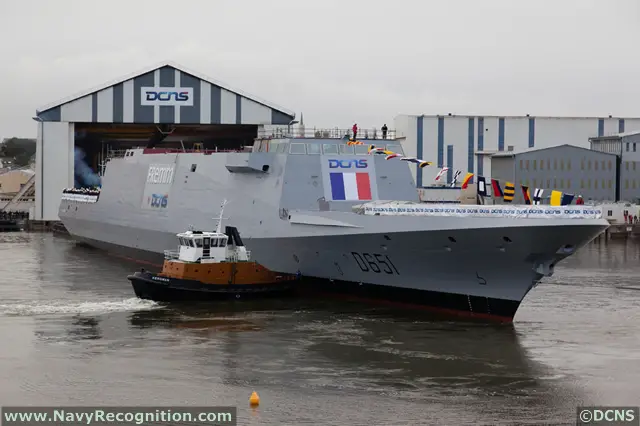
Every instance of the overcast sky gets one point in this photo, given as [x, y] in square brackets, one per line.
[335, 61]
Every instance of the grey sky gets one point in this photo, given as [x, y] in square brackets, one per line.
[336, 61]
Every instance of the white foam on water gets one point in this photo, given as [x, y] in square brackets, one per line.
[49, 307]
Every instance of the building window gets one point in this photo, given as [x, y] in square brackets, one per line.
[510, 148]
[634, 147]
[521, 164]
[610, 184]
[581, 183]
[627, 146]
[589, 183]
[569, 165]
[548, 183]
[626, 165]
[633, 184]
[589, 165]
[526, 164]
[595, 165]
[595, 184]
[555, 164]
[602, 164]
[535, 164]
[602, 183]
[582, 164]
[568, 183]
[626, 184]
[555, 183]
[535, 183]
[548, 164]
[609, 165]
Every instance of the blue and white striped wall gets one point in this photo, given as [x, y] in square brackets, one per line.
[121, 103]
[455, 141]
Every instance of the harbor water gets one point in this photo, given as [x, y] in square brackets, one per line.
[73, 333]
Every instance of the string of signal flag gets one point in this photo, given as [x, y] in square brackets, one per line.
[558, 198]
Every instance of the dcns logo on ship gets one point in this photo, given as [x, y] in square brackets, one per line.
[347, 164]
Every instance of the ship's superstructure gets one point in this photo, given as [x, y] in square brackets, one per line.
[335, 214]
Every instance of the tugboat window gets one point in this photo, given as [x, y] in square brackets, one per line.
[297, 148]
[214, 242]
[199, 242]
[223, 243]
[193, 167]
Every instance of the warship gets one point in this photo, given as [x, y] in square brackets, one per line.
[348, 222]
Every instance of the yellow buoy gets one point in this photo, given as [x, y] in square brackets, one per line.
[254, 399]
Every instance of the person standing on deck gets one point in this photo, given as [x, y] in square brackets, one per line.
[355, 130]
[384, 131]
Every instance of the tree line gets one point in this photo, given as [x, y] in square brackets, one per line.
[19, 150]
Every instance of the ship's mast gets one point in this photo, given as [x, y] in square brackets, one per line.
[219, 226]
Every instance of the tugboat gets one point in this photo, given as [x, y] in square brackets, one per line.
[210, 266]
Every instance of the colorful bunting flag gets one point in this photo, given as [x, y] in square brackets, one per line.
[465, 181]
[537, 196]
[556, 198]
[566, 199]
[509, 192]
[497, 191]
[455, 178]
[526, 194]
[482, 186]
[440, 173]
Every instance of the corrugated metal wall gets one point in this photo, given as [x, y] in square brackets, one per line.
[205, 103]
[456, 140]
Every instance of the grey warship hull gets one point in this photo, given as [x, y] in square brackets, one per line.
[290, 219]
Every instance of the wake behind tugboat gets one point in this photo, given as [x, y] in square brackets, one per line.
[210, 266]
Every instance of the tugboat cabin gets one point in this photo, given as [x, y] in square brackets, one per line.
[207, 247]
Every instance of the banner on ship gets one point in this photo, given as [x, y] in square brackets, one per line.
[520, 212]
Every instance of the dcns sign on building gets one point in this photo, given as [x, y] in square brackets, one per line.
[166, 96]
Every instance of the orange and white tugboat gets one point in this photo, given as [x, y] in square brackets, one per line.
[210, 266]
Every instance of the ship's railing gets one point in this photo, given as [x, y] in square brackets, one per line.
[171, 254]
[233, 257]
[318, 133]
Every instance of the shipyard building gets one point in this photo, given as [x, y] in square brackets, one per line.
[466, 143]
[565, 168]
[626, 146]
[163, 105]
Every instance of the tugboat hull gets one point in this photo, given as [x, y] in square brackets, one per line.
[166, 289]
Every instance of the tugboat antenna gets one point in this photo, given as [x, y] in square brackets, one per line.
[219, 227]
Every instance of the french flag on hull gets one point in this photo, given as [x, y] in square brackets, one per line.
[350, 186]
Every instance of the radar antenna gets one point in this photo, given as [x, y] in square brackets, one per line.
[219, 226]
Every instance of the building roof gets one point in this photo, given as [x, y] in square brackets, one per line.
[616, 135]
[558, 117]
[527, 151]
[158, 66]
